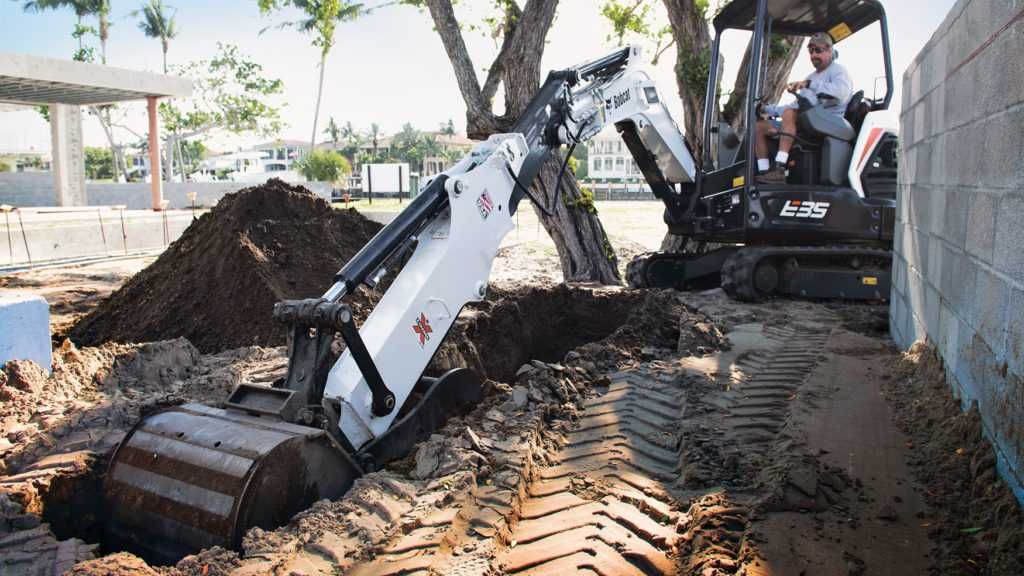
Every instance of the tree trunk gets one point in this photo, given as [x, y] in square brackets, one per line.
[693, 57]
[319, 93]
[102, 114]
[584, 250]
[164, 45]
[780, 64]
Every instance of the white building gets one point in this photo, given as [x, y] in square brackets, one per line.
[611, 166]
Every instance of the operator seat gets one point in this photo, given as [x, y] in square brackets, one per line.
[833, 134]
[857, 110]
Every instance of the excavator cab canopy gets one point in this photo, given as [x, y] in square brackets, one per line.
[767, 18]
[803, 17]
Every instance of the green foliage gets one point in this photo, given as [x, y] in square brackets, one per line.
[4, 166]
[158, 22]
[581, 160]
[321, 17]
[625, 18]
[99, 163]
[694, 67]
[779, 47]
[412, 146]
[574, 164]
[324, 166]
[230, 92]
[448, 128]
[584, 202]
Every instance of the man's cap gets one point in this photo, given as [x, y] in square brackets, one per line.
[822, 39]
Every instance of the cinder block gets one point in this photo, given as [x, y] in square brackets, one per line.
[932, 306]
[937, 211]
[1008, 250]
[966, 354]
[964, 295]
[955, 229]
[981, 225]
[936, 249]
[921, 239]
[25, 329]
[921, 201]
[937, 175]
[1015, 332]
[949, 325]
[990, 320]
[899, 274]
[999, 159]
[898, 314]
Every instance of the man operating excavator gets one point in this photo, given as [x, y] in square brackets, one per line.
[829, 79]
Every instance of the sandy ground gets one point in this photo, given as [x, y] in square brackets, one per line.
[701, 436]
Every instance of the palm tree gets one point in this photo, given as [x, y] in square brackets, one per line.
[333, 132]
[375, 138]
[321, 19]
[82, 8]
[157, 23]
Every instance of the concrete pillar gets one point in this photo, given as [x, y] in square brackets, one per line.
[68, 154]
[155, 172]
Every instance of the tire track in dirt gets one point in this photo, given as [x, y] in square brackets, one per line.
[607, 499]
[602, 504]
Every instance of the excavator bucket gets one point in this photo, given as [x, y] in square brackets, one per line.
[193, 476]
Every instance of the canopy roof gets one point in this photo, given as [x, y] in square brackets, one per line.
[34, 80]
[840, 18]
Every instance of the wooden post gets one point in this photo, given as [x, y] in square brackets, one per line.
[155, 172]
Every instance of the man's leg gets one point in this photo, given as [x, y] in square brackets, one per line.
[786, 142]
[764, 129]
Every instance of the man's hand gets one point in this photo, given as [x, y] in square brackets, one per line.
[794, 87]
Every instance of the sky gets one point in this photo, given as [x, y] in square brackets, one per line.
[389, 67]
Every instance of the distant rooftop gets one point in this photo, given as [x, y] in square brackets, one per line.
[35, 80]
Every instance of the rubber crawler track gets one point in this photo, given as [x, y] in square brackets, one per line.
[738, 271]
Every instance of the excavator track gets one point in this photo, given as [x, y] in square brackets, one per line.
[752, 274]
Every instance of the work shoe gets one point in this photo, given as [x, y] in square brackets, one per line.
[776, 175]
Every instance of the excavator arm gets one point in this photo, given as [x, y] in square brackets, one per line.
[194, 476]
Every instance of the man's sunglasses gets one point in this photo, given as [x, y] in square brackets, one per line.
[817, 49]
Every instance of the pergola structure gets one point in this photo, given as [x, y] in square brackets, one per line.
[65, 86]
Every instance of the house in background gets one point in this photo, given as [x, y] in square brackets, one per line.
[611, 168]
[25, 160]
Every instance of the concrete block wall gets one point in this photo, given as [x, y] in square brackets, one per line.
[959, 247]
[27, 189]
[40, 236]
[30, 189]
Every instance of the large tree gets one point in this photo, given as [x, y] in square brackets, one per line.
[321, 19]
[583, 247]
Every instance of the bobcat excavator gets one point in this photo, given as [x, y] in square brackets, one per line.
[194, 476]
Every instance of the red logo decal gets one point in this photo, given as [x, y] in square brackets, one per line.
[422, 328]
[484, 205]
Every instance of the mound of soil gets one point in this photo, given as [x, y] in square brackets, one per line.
[979, 526]
[217, 284]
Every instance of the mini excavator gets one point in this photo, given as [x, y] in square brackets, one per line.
[193, 476]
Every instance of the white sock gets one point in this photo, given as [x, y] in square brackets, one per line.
[782, 157]
[763, 165]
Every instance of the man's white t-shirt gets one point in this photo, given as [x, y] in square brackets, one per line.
[834, 81]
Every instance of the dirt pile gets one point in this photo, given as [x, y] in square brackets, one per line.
[217, 284]
[978, 526]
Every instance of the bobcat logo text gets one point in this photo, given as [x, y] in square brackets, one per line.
[805, 209]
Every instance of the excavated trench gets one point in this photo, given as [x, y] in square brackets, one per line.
[495, 337]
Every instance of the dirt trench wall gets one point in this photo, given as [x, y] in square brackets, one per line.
[958, 267]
